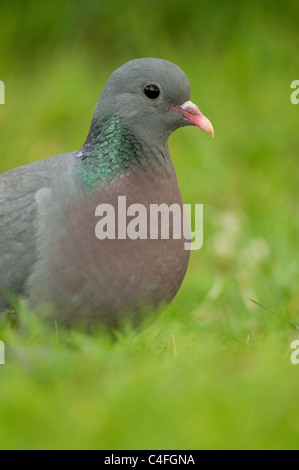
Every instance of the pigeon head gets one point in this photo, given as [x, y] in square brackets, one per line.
[151, 96]
[143, 102]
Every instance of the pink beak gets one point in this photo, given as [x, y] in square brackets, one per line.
[194, 116]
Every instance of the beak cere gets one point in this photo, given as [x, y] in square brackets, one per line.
[194, 116]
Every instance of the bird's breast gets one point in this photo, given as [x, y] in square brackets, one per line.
[116, 252]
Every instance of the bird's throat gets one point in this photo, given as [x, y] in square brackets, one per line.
[110, 150]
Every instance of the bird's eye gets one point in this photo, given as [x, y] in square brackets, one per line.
[151, 91]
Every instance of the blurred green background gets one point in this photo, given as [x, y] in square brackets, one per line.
[214, 370]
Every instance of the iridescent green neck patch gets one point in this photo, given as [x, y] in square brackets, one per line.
[110, 150]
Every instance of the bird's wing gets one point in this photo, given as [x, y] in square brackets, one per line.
[19, 190]
[17, 209]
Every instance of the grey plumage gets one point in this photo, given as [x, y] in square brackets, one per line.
[18, 220]
[48, 248]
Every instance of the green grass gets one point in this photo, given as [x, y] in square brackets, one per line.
[213, 370]
[188, 381]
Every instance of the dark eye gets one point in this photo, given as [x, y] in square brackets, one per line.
[151, 91]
